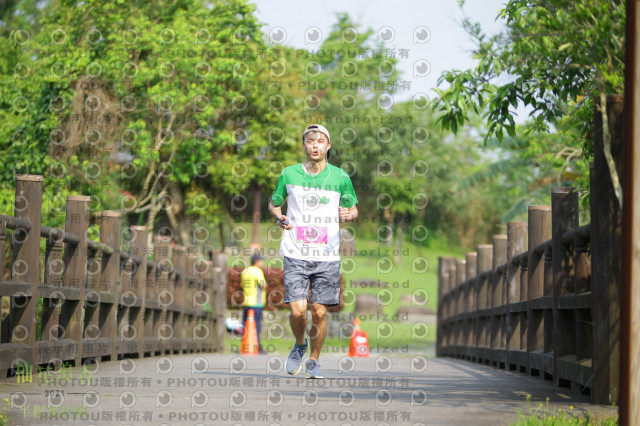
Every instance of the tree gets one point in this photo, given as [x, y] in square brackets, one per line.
[554, 57]
[134, 104]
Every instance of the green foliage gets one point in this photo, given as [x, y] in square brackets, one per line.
[554, 57]
[171, 111]
[147, 81]
[525, 169]
[167, 111]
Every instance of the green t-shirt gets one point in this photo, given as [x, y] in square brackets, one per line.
[312, 207]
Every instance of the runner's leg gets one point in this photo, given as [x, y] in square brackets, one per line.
[296, 285]
[318, 329]
[298, 319]
[325, 291]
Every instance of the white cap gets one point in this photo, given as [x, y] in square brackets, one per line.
[316, 128]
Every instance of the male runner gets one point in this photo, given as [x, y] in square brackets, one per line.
[319, 196]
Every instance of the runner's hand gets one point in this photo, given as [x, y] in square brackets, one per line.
[283, 218]
[345, 216]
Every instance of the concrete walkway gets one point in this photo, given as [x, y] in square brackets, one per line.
[228, 389]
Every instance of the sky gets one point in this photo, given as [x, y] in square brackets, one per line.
[429, 30]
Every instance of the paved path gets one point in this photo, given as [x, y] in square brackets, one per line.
[226, 389]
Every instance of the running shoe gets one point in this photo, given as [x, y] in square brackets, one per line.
[313, 369]
[294, 361]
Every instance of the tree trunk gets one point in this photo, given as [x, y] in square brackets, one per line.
[400, 239]
[389, 218]
[221, 231]
[257, 194]
[151, 219]
[176, 216]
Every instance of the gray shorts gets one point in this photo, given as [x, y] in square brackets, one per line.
[324, 278]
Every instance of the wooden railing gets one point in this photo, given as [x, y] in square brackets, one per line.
[98, 301]
[527, 310]
[544, 299]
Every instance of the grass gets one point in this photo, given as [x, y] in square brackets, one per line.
[542, 415]
[4, 418]
[373, 260]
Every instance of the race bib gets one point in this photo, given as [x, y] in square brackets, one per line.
[312, 234]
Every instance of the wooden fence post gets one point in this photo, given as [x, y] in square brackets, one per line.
[179, 262]
[495, 300]
[564, 212]
[51, 306]
[212, 318]
[582, 285]
[548, 359]
[629, 380]
[539, 226]
[452, 306]
[152, 309]
[139, 283]
[484, 261]
[4, 322]
[461, 272]
[91, 331]
[24, 267]
[524, 315]
[125, 302]
[219, 260]
[471, 273]
[440, 310]
[192, 284]
[471, 266]
[175, 309]
[201, 329]
[75, 260]
[443, 305]
[459, 300]
[606, 254]
[163, 290]
[110, 223]
[516, 244]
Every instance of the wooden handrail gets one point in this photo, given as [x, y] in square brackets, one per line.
[80, 269]
[552, 309]
[503, 324]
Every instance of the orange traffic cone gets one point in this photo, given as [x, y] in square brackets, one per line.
[359, 345]
[250, 337]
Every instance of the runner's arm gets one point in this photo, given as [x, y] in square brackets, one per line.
[276, 211]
